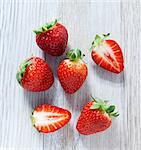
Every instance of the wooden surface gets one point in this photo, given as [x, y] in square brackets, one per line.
[83, 20]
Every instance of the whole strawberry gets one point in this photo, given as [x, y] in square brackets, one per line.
[52, 38]
[72, 71]
[107, 54]
[35, 75]
[47, 118]
[95, 117]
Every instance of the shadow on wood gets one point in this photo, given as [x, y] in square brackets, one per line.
[37, 98]
[103, 140]
[64, 138]
[54, 61]
[106, 75]
[78, 100]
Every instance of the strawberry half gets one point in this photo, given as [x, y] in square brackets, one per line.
[52, 38]
[95, 117]
[46, 118]
[72, 72]
[107, 54]
[35, 75]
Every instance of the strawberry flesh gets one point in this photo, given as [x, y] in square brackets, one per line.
[108, 55]
[47, 118]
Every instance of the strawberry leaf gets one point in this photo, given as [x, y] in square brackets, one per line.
[106, 35]
[95, 106]
[116, 114]
[104, 106]
[110, 109]
[46, 27]
[99, 38]
[32, 120]
[74, 54]
[22, 69]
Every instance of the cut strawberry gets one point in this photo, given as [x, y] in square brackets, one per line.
[107, 54]
[47, 118]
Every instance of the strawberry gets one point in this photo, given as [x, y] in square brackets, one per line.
[107, 54]
[72, 71]
[95, 117]
[35, 75]
[52, 38]
[46, 118]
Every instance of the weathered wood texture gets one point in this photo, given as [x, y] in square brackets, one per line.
[83, 20]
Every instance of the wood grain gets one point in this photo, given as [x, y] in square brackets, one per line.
[83, 20]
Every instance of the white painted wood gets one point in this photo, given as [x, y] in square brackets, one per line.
[83, 20]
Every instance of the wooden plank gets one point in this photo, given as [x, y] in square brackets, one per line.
[18, 43]
[131, 106]
[83, 20]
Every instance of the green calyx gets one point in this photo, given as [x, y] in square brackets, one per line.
[98, 39]
[22, 69]
[46, 27]
[104, 106]
[32, 119]
[75, 54]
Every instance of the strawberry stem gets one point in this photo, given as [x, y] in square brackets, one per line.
[32, 120]
[45, 27]
[104, 106]
[98, 39]
[22, 69]
[75, 54]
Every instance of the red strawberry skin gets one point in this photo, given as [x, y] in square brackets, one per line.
[72, 75]
[47, 118]
[38, 76]
[108, 55]
[53, 41]
[92, 121]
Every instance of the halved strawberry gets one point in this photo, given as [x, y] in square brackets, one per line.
[47, 118]
[107, 54]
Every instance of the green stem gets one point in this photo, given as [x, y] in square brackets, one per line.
[104, 106]
[46, 27]
[99, 38]
[22, 69]
[75, 54]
